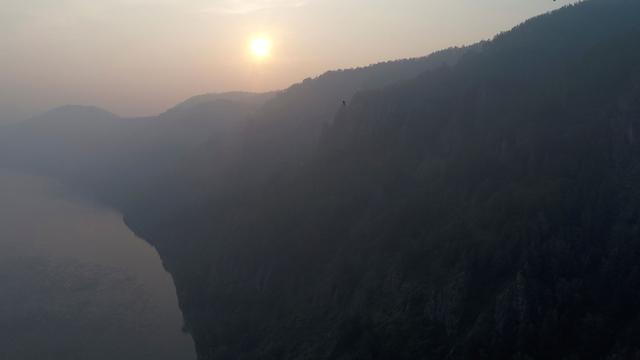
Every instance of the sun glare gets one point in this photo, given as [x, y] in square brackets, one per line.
[260, 48]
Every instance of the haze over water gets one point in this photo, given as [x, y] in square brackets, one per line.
[77, 284]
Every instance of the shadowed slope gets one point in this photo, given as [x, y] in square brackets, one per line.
[486, 210]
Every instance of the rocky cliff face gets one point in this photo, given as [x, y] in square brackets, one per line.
[486, 210]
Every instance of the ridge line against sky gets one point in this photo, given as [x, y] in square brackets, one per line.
[140, 57]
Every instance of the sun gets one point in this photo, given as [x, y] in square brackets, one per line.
[260, 48]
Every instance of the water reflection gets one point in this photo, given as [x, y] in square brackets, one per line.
[75, 283]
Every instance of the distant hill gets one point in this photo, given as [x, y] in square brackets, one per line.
[112, 157]
[256, 99]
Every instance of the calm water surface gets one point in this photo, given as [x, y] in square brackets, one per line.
[75, 283]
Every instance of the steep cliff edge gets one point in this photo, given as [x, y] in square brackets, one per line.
[487, 210]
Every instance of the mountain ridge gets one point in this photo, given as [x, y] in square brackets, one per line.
[479, 203]
[472, 212]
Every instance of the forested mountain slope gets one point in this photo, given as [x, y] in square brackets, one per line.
[478, 203]
[486, 210]
[287, 129]
[279, 137]
[204, 140]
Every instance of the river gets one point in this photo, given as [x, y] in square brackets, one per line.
[76, 283]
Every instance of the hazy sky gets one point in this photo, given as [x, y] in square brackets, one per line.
[137, 57]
